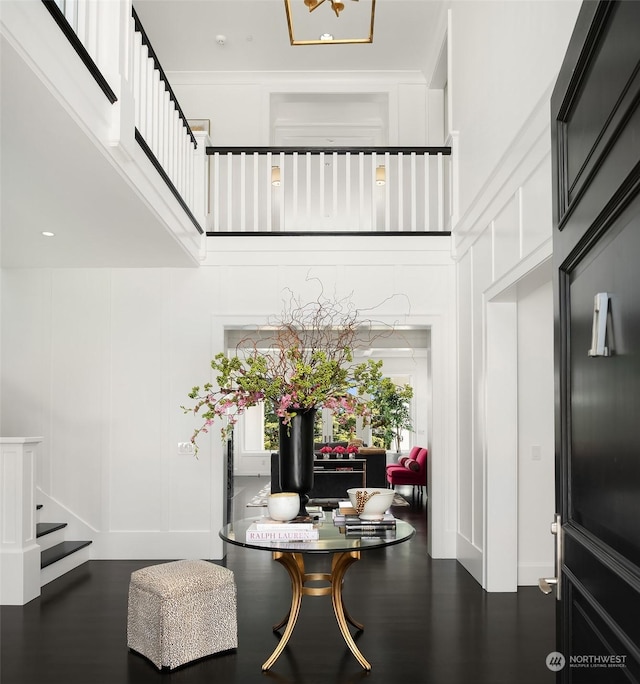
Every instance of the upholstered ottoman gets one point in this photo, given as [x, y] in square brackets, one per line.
[181, 611]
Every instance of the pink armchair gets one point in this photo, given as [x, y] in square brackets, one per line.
[410, 470]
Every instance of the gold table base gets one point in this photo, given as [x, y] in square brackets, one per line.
[294, 565]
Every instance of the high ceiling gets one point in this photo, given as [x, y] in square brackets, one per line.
[183, 33]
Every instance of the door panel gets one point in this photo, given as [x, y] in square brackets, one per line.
[596, 163]
[605, 391]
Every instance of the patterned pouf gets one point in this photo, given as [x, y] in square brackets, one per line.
[181, 611]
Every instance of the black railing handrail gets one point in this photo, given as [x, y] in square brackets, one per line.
[163, 76]
[80, 49]
[329, 150]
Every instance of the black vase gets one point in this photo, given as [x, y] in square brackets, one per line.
[296, 456]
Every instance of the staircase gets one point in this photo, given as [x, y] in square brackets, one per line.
[58, 555]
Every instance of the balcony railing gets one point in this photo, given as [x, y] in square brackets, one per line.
[318, 190]
[329, 190]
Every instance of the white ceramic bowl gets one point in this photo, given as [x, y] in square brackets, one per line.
[283, 506]
[378, 501]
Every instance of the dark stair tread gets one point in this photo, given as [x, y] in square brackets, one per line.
[48, 528]
[60, 551]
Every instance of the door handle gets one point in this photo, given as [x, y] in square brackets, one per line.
[546, 584]
[599, 328]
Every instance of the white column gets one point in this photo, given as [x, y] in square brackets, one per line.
[19, 552]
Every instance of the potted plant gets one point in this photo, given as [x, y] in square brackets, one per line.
[391, 412]
[301, 361]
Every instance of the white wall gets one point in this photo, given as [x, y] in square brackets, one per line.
[99, 361]
[536, 495]
[504, 58]
[239, 106]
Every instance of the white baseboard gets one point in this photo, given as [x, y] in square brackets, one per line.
[470, 557]
[530, 573]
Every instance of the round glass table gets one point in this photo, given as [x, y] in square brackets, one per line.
[345, 550]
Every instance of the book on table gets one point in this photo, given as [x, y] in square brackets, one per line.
[354, 520]
[300, 523]
[290, 532]
[373, 533]
[370, 526]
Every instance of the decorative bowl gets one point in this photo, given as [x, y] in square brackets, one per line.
[283, 506]
[377, 501]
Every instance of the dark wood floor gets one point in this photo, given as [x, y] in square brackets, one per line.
[426, 621]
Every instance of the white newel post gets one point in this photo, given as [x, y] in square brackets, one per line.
[19, 552]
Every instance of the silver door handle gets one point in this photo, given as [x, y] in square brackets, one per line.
[599, 328]
[546, 584]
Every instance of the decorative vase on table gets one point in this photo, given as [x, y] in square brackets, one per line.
[296, 455]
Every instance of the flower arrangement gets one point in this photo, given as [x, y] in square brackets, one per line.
[300, 361]
[326, 450]
[339, 450]
[352, 449]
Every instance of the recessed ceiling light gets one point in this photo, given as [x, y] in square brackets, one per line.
[326, 36]
[48, 233]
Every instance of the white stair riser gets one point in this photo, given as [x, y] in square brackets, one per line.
[51, 539]
[64, 565]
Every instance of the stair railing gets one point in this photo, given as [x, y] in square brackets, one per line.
[161, 128]
[329, 190]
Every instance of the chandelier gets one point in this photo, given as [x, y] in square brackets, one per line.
[329, 26]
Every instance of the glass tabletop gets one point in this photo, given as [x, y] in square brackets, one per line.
[332, 539]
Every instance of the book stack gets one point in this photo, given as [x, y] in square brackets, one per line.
[356, 527]
[346, 518]
[267, 530]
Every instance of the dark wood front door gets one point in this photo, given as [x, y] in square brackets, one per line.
[596, 162]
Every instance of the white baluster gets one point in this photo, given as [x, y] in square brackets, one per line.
[267, 176]
[256, 194]
[308, 171]
[155, 106]
[294, 191]
[374, 193]
[137, 81]
[440, 195]
[71, 13]
[412, 180]
[347, 185]
[190, 162]
[361, 188]
[171, 142]
[81, 26]
[243, 192]
[144, 72]
[283, 180]
[387, 192]
[400, 190]
[91, 24]
[216, 191]
[148, 98]
[427, 192]
[335, 186]
[321, 197]
[229, 192]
